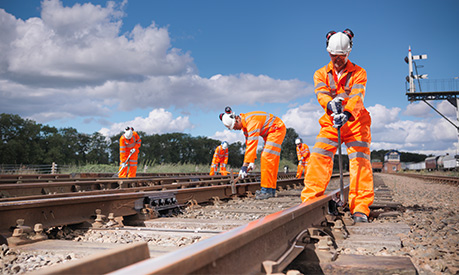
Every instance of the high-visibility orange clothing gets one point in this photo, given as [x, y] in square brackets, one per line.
[302, 152]
[125, 149]
[220, 159]
[355, 134]
[272, 130]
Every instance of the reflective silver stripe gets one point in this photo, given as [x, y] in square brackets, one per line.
[254, 131]
[213, 166]
[324, 92]
[320, 85]
[268, 123]
[358, 143]
[359, 155]
[223, 165]
[359, 94]
[122, 146]
[322, 152]
[327, 141]
[273, 144]
[271, 152]
[332, 82]
[252, 138]
[358, 86]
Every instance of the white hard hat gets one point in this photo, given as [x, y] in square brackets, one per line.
[339, 43]
[224, 144]
[128, 133]
[298, 141]
[228, 120]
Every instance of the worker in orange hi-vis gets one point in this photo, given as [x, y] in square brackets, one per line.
[272, 130]
[220, 159]
[129, 148]
[340, 90]
[302, 151]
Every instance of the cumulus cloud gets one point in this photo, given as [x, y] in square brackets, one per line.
[74, 62]
[417, 109]
[158, 121]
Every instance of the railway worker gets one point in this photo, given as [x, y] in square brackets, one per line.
[254, 125]
[129, 152]
[302, 151]
[220, 159]
[340, 90]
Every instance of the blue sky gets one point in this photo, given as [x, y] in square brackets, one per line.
[172, 66]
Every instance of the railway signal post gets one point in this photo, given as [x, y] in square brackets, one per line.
[451, 93]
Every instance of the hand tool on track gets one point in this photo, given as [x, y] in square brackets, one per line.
[122, 166]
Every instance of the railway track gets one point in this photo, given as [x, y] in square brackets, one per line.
[262, 237]
[432, 178]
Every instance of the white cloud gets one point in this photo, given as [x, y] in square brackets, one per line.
[73, 62]
[417, 109]
[158, 121]
[305, 120]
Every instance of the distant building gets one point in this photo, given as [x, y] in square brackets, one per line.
[392, 162]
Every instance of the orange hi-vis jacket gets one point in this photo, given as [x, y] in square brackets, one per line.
[125, 149]
[220, 158]
[355, 134]
[272, 129]
[303, 154]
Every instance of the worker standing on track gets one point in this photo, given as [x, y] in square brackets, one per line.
[302, 151]
[220, 159]
[129, 145]
[340, 90]
[272, 130]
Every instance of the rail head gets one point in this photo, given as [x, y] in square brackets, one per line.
[248, 245]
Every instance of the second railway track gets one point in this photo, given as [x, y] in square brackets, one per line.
[242, 236]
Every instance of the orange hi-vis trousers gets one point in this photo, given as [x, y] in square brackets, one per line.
[357, 137]
[270, 157]
[302, 167]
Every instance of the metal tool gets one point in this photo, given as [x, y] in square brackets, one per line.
[123, 165]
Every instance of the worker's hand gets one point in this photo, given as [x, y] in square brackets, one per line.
[132, 151]
[251, 166]
[243, 172]
[124, 165]
[340, 119]
[335, 105]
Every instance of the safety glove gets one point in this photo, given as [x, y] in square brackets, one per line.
[335, 105]
[124, 165]
[243, 172]
[340, 119]
[251, 166]
[132, 150]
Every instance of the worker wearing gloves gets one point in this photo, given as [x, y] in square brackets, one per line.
[129, 152]
[272, 130]
[302, 151]
[340, 90]
[220, 159]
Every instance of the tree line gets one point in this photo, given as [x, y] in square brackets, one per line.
[26, 142]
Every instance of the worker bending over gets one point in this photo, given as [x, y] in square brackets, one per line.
[340, 90]
[220, 159]
[129, 152]
[272, 130]
[302, 152]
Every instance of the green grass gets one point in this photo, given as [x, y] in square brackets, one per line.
[151, 167]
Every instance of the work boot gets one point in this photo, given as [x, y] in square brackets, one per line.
[264, 193]
[359, 217]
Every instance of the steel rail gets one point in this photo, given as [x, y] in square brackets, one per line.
[123, 202]
[243, 249]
